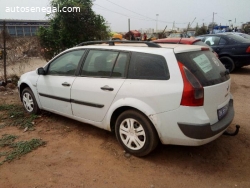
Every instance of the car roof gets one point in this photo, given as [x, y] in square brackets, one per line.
[178, 40]
[140, 47]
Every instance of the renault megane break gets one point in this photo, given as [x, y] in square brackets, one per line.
[143, 91]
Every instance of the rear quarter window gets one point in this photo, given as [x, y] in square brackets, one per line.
[234, 39]
[148, 66]
[206, 67]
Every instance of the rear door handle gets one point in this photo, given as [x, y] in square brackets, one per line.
[65, 84]
[107, 88]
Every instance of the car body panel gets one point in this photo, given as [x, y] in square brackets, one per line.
[99, 100]
[212, 103]
[30, 79]
[53, 95]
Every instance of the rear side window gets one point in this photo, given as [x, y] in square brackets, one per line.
[148, 66]
[101, 63]
[206, 67]
[222, 41]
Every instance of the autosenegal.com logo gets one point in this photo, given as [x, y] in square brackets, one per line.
[47, 10]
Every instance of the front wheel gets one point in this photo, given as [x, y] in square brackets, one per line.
[136, 133]
[228, 63]
[29, 101]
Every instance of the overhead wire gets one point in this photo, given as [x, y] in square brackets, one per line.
[131, 10]
[147, 18]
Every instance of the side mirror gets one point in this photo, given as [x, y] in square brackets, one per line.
[40, 71]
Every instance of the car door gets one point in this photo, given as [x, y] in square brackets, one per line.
[54, 87]
[101, 77]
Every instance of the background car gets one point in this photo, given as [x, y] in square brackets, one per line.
[178, 35]
[190, 41]
[233, 51]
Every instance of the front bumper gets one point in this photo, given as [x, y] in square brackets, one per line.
[203, 131]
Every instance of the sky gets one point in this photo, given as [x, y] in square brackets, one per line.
[146, 14]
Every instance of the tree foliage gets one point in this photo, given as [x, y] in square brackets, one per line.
[201, 31]
[212, 25]
[68, 29]
[246, 29]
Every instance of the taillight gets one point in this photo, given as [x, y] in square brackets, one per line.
[248, 49]
[216, 54]
[204, 49]
[193, 92]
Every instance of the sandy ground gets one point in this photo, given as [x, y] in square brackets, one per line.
[80, 155]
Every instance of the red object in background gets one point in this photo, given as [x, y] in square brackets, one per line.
[189, 41]
[135, 33]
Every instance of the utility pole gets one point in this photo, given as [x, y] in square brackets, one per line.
[156, 22]
[213, 22]
[4, 51]
[128, 25]
[173, 25]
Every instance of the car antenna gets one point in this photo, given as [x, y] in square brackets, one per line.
[180, 39]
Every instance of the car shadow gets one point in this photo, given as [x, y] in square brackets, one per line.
[244, 70]
[216, 156]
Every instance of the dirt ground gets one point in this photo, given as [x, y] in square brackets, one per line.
[80, 155]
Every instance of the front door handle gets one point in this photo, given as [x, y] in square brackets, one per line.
[107, 88]
[65, 84]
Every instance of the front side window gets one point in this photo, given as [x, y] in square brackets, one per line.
[66, 64]
[101, 63]
[148, 66]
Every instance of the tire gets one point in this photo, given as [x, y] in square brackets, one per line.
[29, 101]
[228, 63]
[136, 133]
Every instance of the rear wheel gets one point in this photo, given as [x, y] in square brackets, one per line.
[29, 101]
[136, 133]
[228, 63]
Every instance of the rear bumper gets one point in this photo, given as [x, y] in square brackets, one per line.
[204, 131]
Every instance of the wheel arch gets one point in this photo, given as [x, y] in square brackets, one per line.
[116, 114]
[130, 104]
[21, 88]
[24, 85]
[230, 60]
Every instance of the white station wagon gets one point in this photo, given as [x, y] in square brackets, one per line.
[144, 92]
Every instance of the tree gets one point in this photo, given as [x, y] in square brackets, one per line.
[201, 31]
[247, 29]
[212, 25]
[68, 29]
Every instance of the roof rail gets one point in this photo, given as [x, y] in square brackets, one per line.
[112, 43]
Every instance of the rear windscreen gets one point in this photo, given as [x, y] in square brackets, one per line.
[206, 67]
